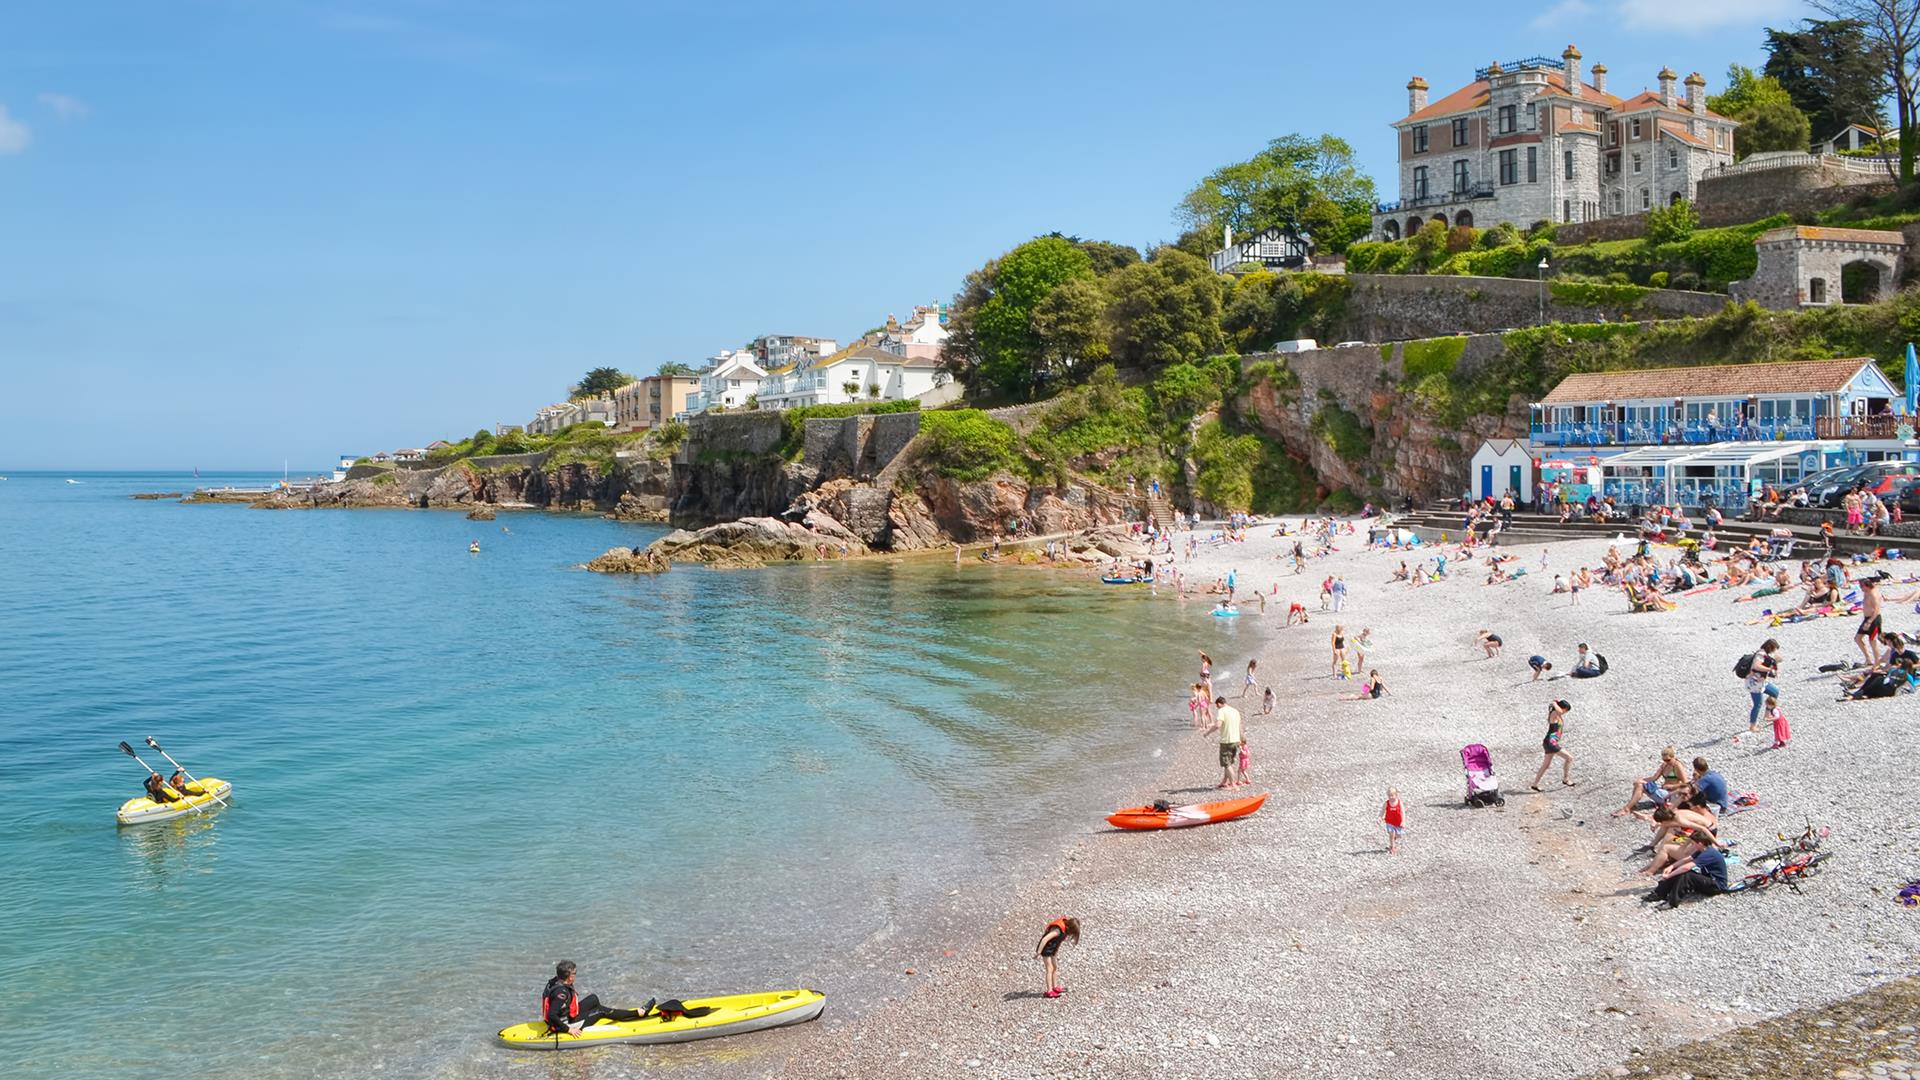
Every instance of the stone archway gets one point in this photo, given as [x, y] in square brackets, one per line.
[1863, 281]
[1463, 219]
[1390, 230]
[1413, 226]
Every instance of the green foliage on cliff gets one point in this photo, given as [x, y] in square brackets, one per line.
[1183, 390]
[1591, 294]
[1343, 432]
[967, 444]
[1432, 356]
[1264, 307]
[1246, 471]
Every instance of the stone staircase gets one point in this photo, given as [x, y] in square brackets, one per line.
[1156, 509]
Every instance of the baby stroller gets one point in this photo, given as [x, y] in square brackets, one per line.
[1482, 788]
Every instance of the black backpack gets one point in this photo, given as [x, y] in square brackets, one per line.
[1744, 666]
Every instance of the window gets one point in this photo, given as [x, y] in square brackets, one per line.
[1419, 181]
[1567, 160]
[1506, 119]
[1636, 127]
[1460, 176]
[1646, 198]
[1533, 118]
[1509, 167]
[1636, 164]
[1613, 164]
[1533, 164]
[1673, 157]
[1719, 138]
[1613, 133]
[1420, 138]
[1460, 131]
[1619, 203]
[1566, 210]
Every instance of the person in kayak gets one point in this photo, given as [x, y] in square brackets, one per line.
[159, 791]
[1057, 931]
[178, 782]
[563, 1009]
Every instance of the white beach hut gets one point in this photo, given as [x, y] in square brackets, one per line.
[1500, 465]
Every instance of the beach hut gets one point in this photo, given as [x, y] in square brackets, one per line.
[1501, 465]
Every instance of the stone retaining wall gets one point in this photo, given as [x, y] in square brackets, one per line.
[1398, 307]
[1737, 198]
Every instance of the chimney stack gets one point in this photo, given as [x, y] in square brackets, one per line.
[1697, 94]
[1600, 78]
[1666, 87]
[1416, 95]
[1572, 59]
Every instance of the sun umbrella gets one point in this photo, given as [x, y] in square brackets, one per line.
[1913, 379]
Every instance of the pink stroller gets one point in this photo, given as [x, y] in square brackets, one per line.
[1482, 788]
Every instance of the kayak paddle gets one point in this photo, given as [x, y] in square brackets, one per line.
[182, 768]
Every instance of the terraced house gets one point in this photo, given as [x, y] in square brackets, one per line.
[1541, 140]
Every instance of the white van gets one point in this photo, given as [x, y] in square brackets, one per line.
[1296, 345]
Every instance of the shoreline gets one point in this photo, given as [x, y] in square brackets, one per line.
[1344, 960]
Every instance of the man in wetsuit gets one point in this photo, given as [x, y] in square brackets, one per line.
[564, 1010]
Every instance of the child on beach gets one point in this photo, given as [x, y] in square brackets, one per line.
[1556, 728]
[1491, 642]
[1251, 680]
[1057, 931]
[1197, 708]
[1391, 817]
[1781, 733]
[1540, 665]
[1266, 701]
[1339, 649]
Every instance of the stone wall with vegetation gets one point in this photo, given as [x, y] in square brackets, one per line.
[1397, 307]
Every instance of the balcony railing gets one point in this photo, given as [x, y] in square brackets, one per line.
[1484, 190]
[1626, 434]
[1726, 494]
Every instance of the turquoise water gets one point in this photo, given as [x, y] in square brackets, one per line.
[452, 769]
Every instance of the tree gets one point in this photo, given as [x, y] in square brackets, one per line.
[601, 380]
[1071, 325]
[1832, 72]
[1893, 27]
[675, 367]
[1165, 310]
[991, 338]
[1667, 224]
[1309, 184]
[1774, 126]
[1745, 90]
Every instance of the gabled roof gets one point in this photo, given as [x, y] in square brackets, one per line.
[1717, 380]
[872, 353]
[1675, 129]
[1476, 95]
[1861, 128]
[1647, 99]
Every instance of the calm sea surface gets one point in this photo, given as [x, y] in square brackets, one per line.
[452, 769]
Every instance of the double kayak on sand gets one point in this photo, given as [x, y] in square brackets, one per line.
[1162, 816]
[201, 794]
[734, 1014]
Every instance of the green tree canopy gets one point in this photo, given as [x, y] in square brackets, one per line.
[1773, 126]
[991, 337]
[1165, 310]
[1070, 325]
[675, 367]
[601, 380]
[1831, 71]
[1745, 90]
[1310, 184]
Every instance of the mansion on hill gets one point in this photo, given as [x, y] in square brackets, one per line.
[1536, 140]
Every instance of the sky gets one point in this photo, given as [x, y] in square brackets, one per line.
[240, 232]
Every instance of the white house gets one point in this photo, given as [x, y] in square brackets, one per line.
[410, 453]
[1500, 466]
[922, 335]
[1852, 137]
[728, 381]
[861, 373]
[1273, 249]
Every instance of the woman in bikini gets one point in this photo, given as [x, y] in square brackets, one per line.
[1556, 728]
[1667, 777]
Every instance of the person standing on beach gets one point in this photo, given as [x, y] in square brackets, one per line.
[1781, 732]
[1339, 649]
[1867, 637]
[1252, 680]
[1057, 931]
[1556, 729]
[1226, 721]
[1763, 665]
[1391, 817]
[1339, 593]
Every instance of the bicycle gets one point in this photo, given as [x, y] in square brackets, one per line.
[1792, 868]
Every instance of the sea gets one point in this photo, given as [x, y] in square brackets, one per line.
[452, 769]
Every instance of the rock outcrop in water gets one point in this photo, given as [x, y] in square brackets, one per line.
[623, 560]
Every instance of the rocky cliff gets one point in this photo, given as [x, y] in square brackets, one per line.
[635, 488]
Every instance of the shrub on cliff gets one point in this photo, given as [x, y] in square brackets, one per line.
[1671, 224]
[1244, 471]
[967, 444]
[1264, 308]
[1342, 432]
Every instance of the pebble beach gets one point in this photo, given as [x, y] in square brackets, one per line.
[1505, 941]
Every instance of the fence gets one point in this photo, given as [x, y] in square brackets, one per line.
[1794, 159]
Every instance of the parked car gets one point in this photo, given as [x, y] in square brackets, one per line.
[1877, 477]
[1905, 494]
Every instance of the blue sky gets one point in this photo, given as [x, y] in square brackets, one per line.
[235, 232]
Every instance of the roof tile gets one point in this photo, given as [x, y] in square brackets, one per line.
[1717, 380]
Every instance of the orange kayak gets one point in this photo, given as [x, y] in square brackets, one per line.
[1174, 817]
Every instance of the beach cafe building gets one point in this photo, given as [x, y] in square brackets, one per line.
[1690, 434]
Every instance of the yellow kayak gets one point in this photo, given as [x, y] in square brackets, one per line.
[734, 1014]
[203, 793]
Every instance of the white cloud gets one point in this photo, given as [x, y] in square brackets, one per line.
[63, 106]
[14, 135]
[1681, 17]
[1562, 13]
[1695, 16]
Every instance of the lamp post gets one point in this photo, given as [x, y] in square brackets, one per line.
[1543, 290]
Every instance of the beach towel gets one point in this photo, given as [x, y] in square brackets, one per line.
[1910, 893]
[1743, 802]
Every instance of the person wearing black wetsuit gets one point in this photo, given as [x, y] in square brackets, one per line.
[158, 791]
[565, 1010]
